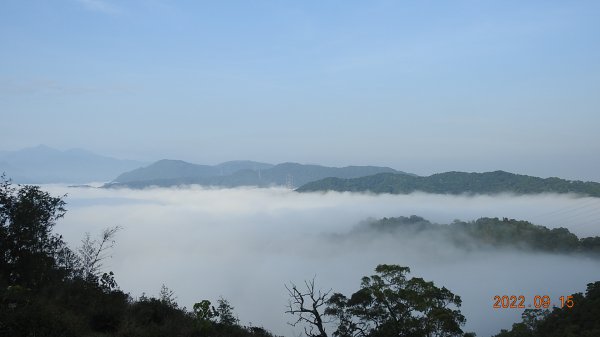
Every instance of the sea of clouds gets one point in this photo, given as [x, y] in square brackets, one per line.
[244, 244]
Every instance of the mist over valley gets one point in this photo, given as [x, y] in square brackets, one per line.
[245, 243]
[299, 168]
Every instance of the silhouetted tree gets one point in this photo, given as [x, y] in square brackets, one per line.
[93, 252]
[308, 305]
[225, 312]
[30, 254]
[390, 304]
[167, 297]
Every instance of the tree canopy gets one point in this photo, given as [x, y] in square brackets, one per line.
[388, 303]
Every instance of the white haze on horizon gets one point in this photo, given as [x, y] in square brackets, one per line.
[245, 243]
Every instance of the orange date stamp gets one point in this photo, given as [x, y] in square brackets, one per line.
[539, 302]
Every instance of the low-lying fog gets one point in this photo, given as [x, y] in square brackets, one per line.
[244, 244]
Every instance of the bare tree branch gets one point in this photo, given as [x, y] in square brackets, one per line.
[306, 305]
[93, 252]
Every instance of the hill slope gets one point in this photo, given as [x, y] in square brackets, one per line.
[483, 232]
[454, 183]
[236, 173]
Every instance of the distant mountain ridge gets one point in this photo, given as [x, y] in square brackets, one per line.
[236, 173]
[168, 169]
[42, 164]
[454, 183]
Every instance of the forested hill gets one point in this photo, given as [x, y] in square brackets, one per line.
[482, 233]
[454, 183]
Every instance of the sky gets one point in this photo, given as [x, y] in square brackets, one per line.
[420, 86]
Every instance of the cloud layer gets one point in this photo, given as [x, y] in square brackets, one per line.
[244, 244]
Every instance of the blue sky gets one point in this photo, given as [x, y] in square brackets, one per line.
[421, 86]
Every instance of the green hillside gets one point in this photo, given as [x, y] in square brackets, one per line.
[454, 183]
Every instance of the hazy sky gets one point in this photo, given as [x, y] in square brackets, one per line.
[421, 86]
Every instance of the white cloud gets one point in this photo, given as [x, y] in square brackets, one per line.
[244, 244]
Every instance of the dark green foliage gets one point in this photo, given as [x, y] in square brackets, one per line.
[204, 314]
[591, 244]
[153, 317]
[530, 320]
[489, 232]
[47, 290]
[390, 304]
[73, 307]
[582, 320]
[454, 183]
[30, 254]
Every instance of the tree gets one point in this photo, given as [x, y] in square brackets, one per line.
[389, 304]
[348, 325]
[307, 306]
[225, 312]
[167, 296]
[204, 313]
[93, 252]
[30, 254]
